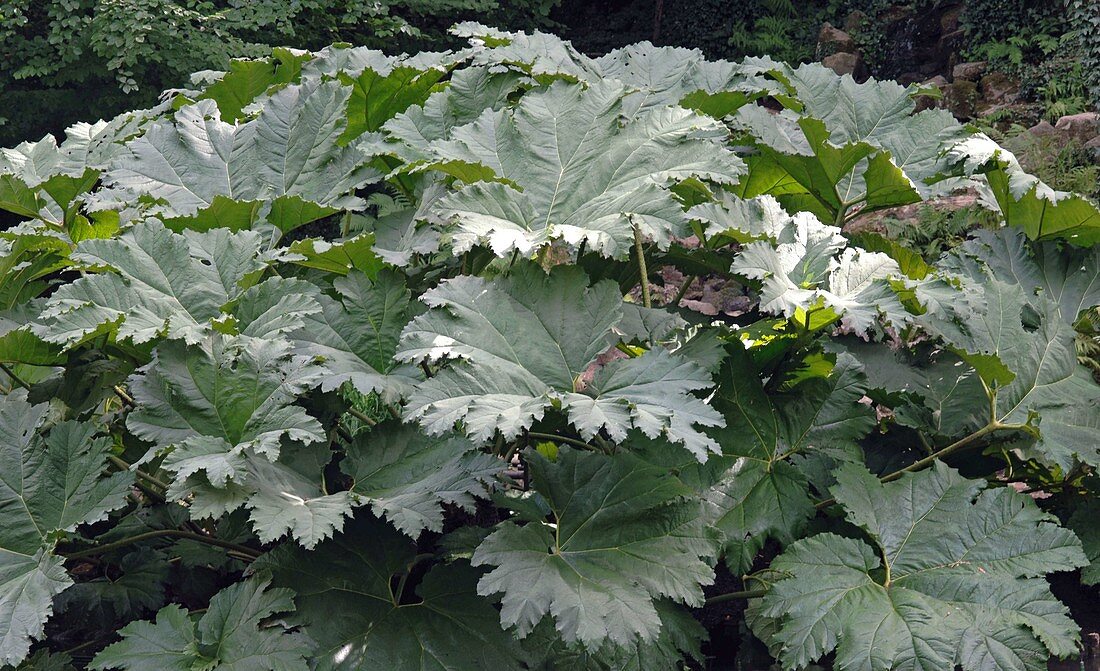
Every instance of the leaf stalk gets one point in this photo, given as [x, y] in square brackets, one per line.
[165, 533]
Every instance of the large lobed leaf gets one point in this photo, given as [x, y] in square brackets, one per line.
[563, 165]
[50, 483]
[622, 535]
[349, 604]
[953, 576]
[232, 635]
[524, 341]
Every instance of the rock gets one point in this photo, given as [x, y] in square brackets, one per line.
[1093, 145]
[1042, 129]
[970, 72]
[874, 222]
[998, 88]
[961, 99]
[854, 21]
[1083, 127]
[832, 40]
[846, 64]
[926, 102]
[949, 22]
[1004, 115]
[916, 39]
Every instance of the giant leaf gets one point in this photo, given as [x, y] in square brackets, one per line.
[674, 75]
[158, 283]
[764, 495]
[48, 485]
[234, 392]
[351, 603]
[844, 145]
[401, 474]
[356, 336]
[1023, 349]
[524, 341]
[197, 165]
[565, 166]
[808, 265]
[469, 92]
[1024, 201]
[622, 535]
[232, 635]
[920, 598]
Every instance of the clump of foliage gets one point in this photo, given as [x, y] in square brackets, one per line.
[1085, 17]
[62, 55]
[438, 437]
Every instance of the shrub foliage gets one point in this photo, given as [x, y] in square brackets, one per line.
[348, 361]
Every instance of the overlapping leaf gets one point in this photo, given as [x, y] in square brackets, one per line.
[201, 172]
[158, 283]
[232, 393]
[920, 597]
[764, 495]
[524, 341]
[356, 336]
[564, 166]
[232, 635]
[399, 473]
[349, 603]
[622, 536]
[808, 265]
[675, 76]
[1022, 347]
[381, 86]
[48, 485]
[844, 146]
[1024, 201]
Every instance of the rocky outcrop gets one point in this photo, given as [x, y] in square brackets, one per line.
[921, 43]
[839, 52]
[845, 63]
[970, 72]
[961, 99]
[832, 40]
[923, 48]
[1084, 127]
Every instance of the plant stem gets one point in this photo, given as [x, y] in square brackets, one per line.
[174, 533]
[733, 596]
[127, 399]
[564, 439]
[405, 576]
[361, 417]
[688, 281]
[940, 454]
[930, 459]
[641, 267]
[140, 473]
[14, 378]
